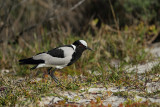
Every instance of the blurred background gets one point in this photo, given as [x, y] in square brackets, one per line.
[25, 18]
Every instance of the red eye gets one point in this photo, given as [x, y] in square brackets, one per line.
[81, 45]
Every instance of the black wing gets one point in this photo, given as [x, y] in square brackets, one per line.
[56, 52]
[30, 61]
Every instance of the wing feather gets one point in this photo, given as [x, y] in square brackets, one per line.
[56, 52]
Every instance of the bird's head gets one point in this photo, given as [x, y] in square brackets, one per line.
[81, 44]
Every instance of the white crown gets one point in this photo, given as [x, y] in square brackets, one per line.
[83, 42]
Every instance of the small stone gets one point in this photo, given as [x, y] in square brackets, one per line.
[139, 99]
[81, 101]
[142, 68]
[3, 71]
[114, 101]
[153, 87]
[97, 90]
[56, 99]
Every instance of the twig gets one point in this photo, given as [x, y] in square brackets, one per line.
[114, 16]
[76, 5]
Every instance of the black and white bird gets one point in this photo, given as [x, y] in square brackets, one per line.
[58, 58]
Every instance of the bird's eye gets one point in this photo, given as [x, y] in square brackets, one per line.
[81, 45]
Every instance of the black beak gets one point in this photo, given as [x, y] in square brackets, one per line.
[89, 48]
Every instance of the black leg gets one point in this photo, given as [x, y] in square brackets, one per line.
[53, 76]
[49, 70]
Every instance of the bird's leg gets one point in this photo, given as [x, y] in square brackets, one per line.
[53, 76]
[49, 70]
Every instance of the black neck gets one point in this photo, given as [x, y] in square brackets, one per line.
[76, 55]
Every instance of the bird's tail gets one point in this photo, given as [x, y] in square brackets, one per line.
[30, 61]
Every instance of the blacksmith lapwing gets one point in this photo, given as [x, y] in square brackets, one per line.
[58, 58]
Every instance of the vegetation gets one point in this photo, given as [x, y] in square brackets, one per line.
[115, 46]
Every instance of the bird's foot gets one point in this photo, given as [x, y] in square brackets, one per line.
[54, 78]
[59, 84]
[57, 81]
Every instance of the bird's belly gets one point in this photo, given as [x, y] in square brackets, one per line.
[59, 63]
[47, 65]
